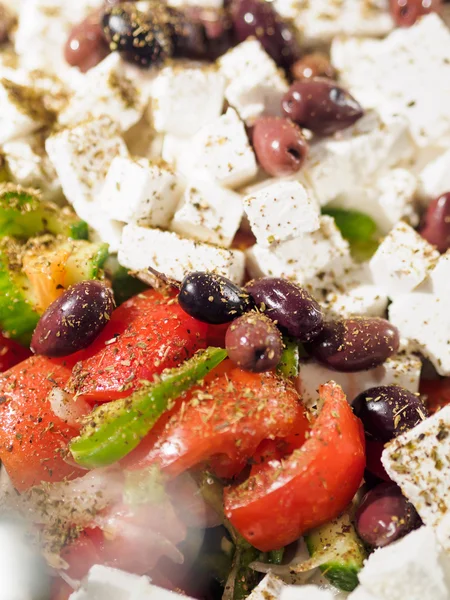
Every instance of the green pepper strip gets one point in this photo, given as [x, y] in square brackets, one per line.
[289, 364]
[113, 430]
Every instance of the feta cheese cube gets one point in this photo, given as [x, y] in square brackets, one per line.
[82, 156]
[361, 594]
[355, 157]
[102, 227]
[255, 86]
[208, 213]
[221, 151]
[113, 584]
[139, 191]
[378, 77]
[435, 177]
[419, 462]
[186, 99]
[313, 260]
[403, 370]
[108, 90]
[305, 592]
[402, 261]
[174, 256]
[270, 588]
[409, 568]
[176, 152]
[282, 211]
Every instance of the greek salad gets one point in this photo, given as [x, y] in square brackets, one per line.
[224, 291]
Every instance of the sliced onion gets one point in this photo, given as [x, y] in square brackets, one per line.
[68, 408]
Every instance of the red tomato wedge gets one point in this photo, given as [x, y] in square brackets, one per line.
[32, 438]
[11, 353]
[230, 415]
[275, 506]
[146, 334]
[437, 392]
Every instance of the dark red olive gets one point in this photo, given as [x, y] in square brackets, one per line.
[355, 344]
[254, 343]
[202, 34]
[313, 65]
[406, 12]
[212, 298]
[294, 310]
[436, 227]
[385, 515]
[74, 320]
[388, 411]
[280, 146]
[321, 105]
[86, 46]
[259, 19]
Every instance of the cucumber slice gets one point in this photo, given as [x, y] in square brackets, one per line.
[342, 551]
[24, 214]
[85, 261]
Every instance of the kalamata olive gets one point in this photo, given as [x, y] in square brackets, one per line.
[259, 19]
[385, 515]
[295, 311]
[312, 65]
[212, 298]
[143, 38]
[387, 411]
[203, 34]
[280, 146]
[355, 344]
[74, 320]
[436, 227]
[86, 46]
[254, 343]
[321, 105]
[406, 12]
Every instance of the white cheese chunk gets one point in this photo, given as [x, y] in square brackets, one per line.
[419, 462]
[139, 191]
[314, 259]
[361, 594]
[184, 100]
[402, 370]
[208, 213]
[357, 156]
[270, 588]
[282, 211]
[435, 177]
[305, 592]
[255, 86]
[113, 584]
[176, 151]
[402, 261]
[174, 256]
[221, 151]
[409, 568]
[406, 74]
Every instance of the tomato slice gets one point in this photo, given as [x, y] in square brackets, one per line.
[32, 438]
[437, 392]
[275, 506]
[145, 335]
[230, 415]
[11, 353]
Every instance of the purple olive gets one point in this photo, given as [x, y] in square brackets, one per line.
[74, 320]
[280, 146]
[406, 12]
[259, 19]
[313, 65]
[388, 411]
[86, 46]
[321, 105]
[294, 310]
[202, 34]
[385, 516]
[254, 343]
[355, 344]
[436, 228]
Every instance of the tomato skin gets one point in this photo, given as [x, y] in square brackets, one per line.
[32, 438]
[276, 506]
[437, 392]
[11, 353]
[145, 335]
[230, 415]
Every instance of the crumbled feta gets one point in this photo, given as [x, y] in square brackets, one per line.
[435, 177]
[186, 99]
[402, 261]
[221, 151]
[255, 86]
[208, 213]
[402, 370]
[356, 157]
[270, 588]
[419, 462]
[139, 191]
[409, 568]
[281, 211]
[403, 75]
[108, 90]
[174, 256]
[314, 259]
